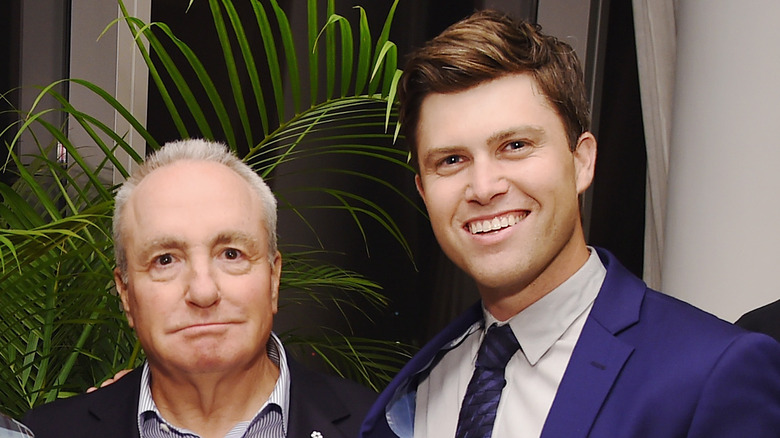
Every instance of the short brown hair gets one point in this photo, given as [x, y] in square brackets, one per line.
[489, 45]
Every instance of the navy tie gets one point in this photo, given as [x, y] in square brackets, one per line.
[478, 411]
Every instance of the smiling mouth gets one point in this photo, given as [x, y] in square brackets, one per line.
[495, 224]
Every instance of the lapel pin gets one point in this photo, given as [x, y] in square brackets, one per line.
[316, 434]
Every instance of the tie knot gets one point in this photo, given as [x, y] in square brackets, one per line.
[499, 345]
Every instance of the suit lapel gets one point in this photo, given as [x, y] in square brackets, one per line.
[312, 406]
[115, 408]
[397, 399]
[593, 369]
[599, 355]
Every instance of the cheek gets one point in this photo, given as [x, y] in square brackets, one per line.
[555, 179]
[439, 213]
[253, 292]
[156, 302]
[441, 197]
[260, 307]
[146, 312]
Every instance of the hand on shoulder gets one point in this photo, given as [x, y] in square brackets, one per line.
[110, 380]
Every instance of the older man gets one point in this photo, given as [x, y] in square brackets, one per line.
[198, 275]
[565, 342]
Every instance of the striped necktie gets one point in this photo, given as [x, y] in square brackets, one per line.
[478, 411]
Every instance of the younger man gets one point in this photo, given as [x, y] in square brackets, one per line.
[565, 341]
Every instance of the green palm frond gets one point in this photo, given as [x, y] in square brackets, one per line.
[58, 313]
[354, 121]
[370, 361]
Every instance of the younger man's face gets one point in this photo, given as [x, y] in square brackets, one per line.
[501, 185]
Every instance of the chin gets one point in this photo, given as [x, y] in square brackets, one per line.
[494, 273]
[506, 281]
[210, 364]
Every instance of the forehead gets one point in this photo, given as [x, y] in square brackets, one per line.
[193, 200]
[492, 106]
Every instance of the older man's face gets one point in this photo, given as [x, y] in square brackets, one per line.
[201, 292]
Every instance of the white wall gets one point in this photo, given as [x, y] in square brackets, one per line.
[722, 246]
[50, 53]
[111, 62]
[43, 56]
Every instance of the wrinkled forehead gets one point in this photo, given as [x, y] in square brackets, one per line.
[193, 196]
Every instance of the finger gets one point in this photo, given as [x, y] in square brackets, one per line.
[116, 377]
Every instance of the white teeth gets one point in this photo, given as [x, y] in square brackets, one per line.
[493, 224]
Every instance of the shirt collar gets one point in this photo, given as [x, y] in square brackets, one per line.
[280, 396]
[10, 428]
[542, 323]
[281, 393]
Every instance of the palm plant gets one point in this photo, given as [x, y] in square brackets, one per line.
[61, 327]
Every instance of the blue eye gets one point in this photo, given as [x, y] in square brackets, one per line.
[452, 159]
[448, 164]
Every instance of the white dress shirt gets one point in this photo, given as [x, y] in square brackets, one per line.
[547, 332]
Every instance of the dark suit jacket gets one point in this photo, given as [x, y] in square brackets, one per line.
[645, 365]
[330, 405]
[765, 319]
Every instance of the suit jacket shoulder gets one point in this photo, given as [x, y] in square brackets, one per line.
[107, 412]
[318, 402]
[647, 364]
[333, 406]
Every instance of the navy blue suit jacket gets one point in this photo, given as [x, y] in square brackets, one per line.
[318, 402]
[645, 365]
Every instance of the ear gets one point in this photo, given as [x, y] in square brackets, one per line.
[121, 287]
[418, 183]
[584, 161]
[276, 275]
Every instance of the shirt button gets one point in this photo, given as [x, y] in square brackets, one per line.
[164, 427]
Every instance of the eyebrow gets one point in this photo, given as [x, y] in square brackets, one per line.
[222, 238]
[236, 237]
[160, 244]
[532, 131]
[522, 130]
[433, 154]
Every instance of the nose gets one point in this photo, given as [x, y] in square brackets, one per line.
[486, 181]
[202, 288]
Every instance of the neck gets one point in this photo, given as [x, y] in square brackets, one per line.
[210, 404]
[504, 304]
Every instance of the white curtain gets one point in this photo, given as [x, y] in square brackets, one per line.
[654, 25]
